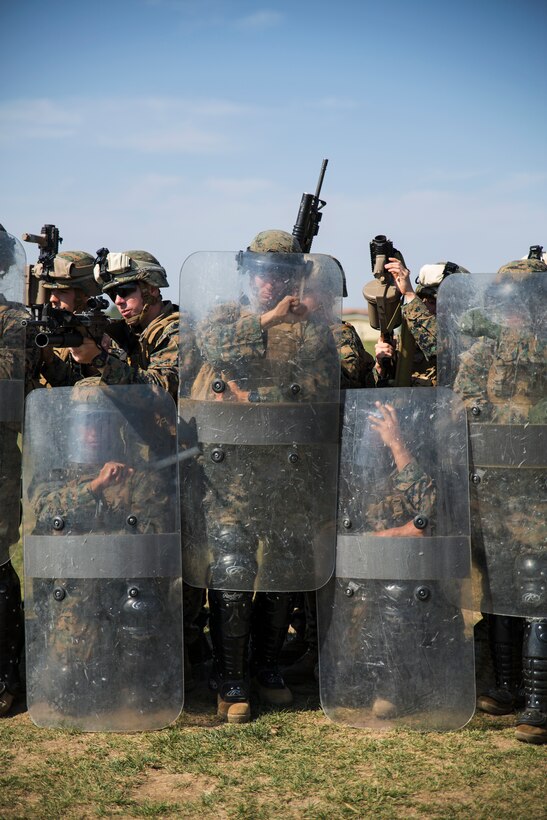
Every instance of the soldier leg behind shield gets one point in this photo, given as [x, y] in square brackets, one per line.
[11, 636]
[532, 722]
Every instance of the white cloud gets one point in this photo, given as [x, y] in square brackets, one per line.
[39, 119]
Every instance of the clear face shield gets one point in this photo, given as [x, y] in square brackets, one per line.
[96, 436]
[12, 267]
[273, 275]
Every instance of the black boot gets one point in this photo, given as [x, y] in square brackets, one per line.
[11, 636]
[505, 637]
[271, 616]
[532, 722]
[230, 626]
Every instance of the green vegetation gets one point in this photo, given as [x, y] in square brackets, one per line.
[293, 764]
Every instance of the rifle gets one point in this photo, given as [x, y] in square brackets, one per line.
[61, 328]
[48, 242]
[309, 216]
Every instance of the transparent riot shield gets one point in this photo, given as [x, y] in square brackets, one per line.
[394, 624]
[492, 352]
[12, 375]
[259, 502]
[102, 550]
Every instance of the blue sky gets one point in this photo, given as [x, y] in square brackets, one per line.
[178, 126]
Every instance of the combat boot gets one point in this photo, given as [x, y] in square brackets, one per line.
[230, 621]
[6, 700]
[532, 722]
[233, 704]
[271, 614]
[505, 637]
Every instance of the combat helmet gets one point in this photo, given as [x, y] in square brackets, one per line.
[71, 269]
[274, 253]
[431, 276]
[113, 269]
[520, 269]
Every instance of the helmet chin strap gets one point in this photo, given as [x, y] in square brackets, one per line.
[149, 299]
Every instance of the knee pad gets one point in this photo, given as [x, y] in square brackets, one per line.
[235, 564]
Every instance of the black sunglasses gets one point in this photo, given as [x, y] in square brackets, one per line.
[122, 290]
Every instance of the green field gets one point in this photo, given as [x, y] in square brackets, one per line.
[293, 764]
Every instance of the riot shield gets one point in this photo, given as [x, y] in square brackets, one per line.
[492, 352]
[12, 375]
[394, 623]
[102, 551]
[259, 503]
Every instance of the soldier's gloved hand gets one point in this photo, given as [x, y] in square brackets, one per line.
[290, 309]
[113, 472]
[475, 323]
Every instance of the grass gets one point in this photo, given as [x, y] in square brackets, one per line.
[291, 764]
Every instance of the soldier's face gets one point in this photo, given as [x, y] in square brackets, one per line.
[63, 298]
[269, 289]
[129, 302]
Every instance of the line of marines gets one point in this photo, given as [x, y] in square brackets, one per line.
[229, 422]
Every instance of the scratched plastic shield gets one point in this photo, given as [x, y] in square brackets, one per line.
[102, 555]
[259, 501]
[493, 352]
[12, 375]
[395, 626]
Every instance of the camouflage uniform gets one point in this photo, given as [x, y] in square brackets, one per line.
[501, 378]
[385, 672]
[356, 363]
[12, 367]
[16, 366]
[72, 270]
[89, 662]
[284, 364]
[166, 352]
[423, 326]
[156, 362]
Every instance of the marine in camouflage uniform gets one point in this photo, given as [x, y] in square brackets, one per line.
[69, 285]
[502, 378]
[391, 675]
[19, 362]
[260, 351]
[164, 350]
[12, 372]
[105, 489]
[418, 310]
[356, 371]
[133, 280]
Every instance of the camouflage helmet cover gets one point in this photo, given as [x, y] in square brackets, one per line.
[130, 266]
[71, 269]
[520, 269]
[275, 241]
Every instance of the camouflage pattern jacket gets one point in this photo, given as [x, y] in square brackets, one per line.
[357, 366]
[268, 363]
[423, 326]
[408, 492]
[504, 378]
[67, 494]
[157, 360]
